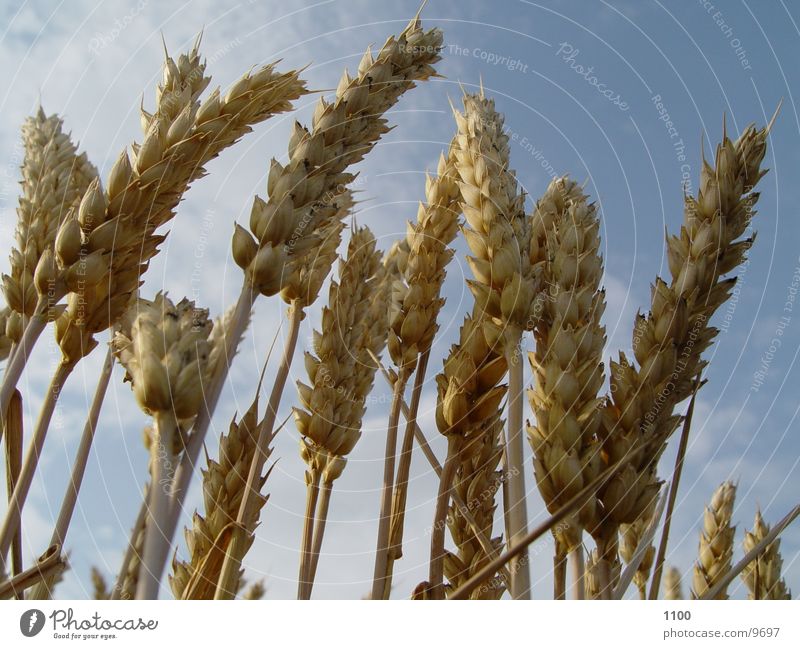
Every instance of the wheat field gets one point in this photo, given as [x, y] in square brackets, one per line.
[470, 351]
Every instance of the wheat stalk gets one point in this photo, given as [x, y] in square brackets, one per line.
[506, 268]
[13, 423]
[54, 179]
[763, 576]
[716, 542]
[166, 353]
[341, 375]
[342, 133]
[492, 550]
[415, 304]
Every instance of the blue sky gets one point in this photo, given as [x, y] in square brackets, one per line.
[93, 62]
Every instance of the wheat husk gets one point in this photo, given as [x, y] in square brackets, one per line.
[716, 542]
[54, 179]
[224, 482]
[672, 584]
[304, 194]
[763, 576]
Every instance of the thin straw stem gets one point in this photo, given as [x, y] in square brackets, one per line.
[319, 533]
[82, 456]
[13, 517]
[661, 555]
[16, 362]
[486, 544]
[559, 573]
[400, 492]
[515, 470]
[379, 578]
[49, 565]
[232, 560]
[312, 493]
[436, 575]
[578, 573]
[162, 456]
[141, 521]
[14, 439]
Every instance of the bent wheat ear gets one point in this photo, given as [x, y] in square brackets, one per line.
[763, 576]
[716, 542]
[304, 194]
[118, 226]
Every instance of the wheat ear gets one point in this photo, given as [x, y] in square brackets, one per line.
[303, 194]
[341, 374]
[672, 584]
[223, 490]
[468, 413]
[716, 542]
[763, 576]
[567, 362]
[103, 247]
[669, 341]
[342, 133]
[118, 225]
